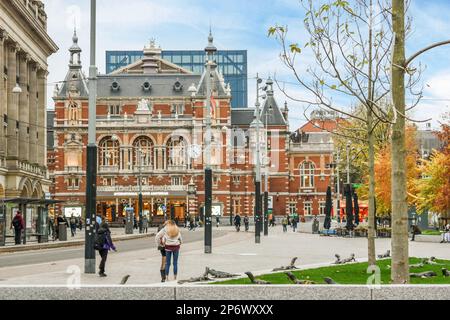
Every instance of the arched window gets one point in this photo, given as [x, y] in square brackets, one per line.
[109, 152]
[307, 170]
[73, 112]
[176, 152]
[143, 146]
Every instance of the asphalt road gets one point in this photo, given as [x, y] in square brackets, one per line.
[59, 254]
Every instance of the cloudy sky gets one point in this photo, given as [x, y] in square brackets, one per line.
[236, 24]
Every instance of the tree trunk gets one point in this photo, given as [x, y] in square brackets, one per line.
[400, 254]
[371, 218]
[370, 137]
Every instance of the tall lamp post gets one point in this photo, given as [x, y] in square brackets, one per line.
[91, 174]
[140, 191]
[258, 199]
[210, 50]
[267, 170]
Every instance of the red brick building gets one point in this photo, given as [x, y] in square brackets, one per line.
[150, 124]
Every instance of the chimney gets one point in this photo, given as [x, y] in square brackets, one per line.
[150, 60]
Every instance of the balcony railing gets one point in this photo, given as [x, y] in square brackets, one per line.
[72, 169]
[108, 169]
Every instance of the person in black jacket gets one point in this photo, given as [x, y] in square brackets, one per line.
[237, 222]
[103, 244]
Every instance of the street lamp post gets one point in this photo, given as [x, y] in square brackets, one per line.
[210, 50]
[267, 169]
[91, 174]
[338, 189]
[140, 192]
[258, 204]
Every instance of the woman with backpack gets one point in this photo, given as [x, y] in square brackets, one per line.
[103, 244]
[170, 238]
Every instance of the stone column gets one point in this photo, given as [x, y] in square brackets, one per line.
[33, 113]
[41, 118]
[24, 119]
[3, 100]
[12, 110]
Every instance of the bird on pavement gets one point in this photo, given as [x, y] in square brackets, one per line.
[125, 279]
[328, 280]
[255, 281]
[295, 280]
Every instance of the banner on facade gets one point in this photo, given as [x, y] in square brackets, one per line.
[73, 211]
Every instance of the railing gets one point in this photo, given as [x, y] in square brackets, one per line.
[321, 147]
[108, 169]
[31, 168]
[72, 169]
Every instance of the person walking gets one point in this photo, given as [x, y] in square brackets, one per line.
[237, 222]
[80, 224]
[73, 226]
[271, 220]
[162, 250]
[51, 230]
[284, 222]
[145, 224]
[217, 221]
[191, 223]
[18, 224]
[103, 244]
[246, 223]
[294, 225]
[170, 237]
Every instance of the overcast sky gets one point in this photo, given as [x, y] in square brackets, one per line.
[236, 24]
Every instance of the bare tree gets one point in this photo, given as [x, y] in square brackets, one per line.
[351, 46]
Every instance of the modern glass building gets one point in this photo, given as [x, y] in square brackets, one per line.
[232, 64]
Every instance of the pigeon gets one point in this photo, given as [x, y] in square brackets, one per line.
[290, 267]
[295, 280]
[329, 280]
[445, 272]
[255, 281]
[423, 275]
[385, 255]
[125, 279]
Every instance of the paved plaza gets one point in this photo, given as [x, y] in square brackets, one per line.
[232, 252]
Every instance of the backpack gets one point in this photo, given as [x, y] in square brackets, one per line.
[100, 240]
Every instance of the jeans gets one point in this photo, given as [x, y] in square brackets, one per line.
[104, 255]
[284, 228]
[17, 236]
[169, 255]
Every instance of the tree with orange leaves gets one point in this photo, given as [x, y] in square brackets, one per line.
[434, 184]
[383, 172]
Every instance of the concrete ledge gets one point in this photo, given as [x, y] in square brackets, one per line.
[65, 244]
[87, 293]
[428, 238]
[274, 292]
[410, 292]
[232, 293]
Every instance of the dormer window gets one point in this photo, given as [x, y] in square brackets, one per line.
[115, 86]
[146, 86]
[177, 108]
[177, 87]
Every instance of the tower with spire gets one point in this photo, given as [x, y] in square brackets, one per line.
[75, 82]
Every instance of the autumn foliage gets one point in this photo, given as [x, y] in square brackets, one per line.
[434, 184]
[383, 167]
